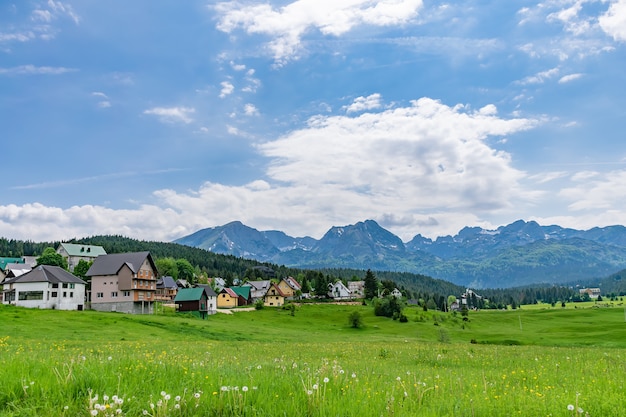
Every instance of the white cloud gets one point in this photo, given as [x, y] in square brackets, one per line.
[406, 162]
[613, 22]
[34, 70]
[569, 78]
[227, 89]
[237, 67]
[250, 110]
[172, 114]
[540, 77]
[287, 25]
[593, 191]
[364, 103]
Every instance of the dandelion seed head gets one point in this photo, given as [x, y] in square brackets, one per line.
[94, 412]
[177, 406]
[326, 380]
[196, 395]
[177, 398]
[167, 397]
[570, 407]
[244, 388]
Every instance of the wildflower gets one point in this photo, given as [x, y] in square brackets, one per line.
[398, 379]
[110, 358]
[315, 386]
[163, 393]
[244, 388]
[145, 412]
[326, 380]
[167, 397]
[570, 407]
[196, 395]
[105, 397]
[353, 375]
[177, 406]
[94, 412]
[224, 388]
[309, 392]
[177, 398]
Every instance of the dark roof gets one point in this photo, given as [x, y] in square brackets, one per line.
[189, 294]
[208, 289]
[111, 264]
[47, 273]
[167, 282]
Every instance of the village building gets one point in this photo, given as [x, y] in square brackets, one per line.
[290, 288]
[74, 253]
[227, 298]
[198, 301]
[46, 287]
[166, 289]
[258, 289]
[123, 282]
[338, 291]
[274, 297]
[357, 289]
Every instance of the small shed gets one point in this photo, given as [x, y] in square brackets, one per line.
[192, 300]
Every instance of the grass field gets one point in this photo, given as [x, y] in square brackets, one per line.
[527, 362]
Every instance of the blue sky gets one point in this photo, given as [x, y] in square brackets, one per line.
[155, 119]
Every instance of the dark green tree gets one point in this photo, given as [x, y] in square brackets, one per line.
[51, 257]
[186, 270]
[167, 267]
[371, 285]
[81, 268]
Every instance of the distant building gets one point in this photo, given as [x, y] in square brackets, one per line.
[592, 292]
[74, 253]
[357, 289]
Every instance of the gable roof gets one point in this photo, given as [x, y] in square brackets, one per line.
[76, 249]
[230, 292]
[189, 294]
[293, 284]
[15, 270]
[282, 294]
[167, 282]
[47, 273]
[242, 291]
[207, 289]
[259, 285]
[5, 261]
[112, 263]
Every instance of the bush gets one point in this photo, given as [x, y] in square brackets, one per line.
[355, 320]
[258, 305]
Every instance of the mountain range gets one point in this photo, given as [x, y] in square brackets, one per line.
[518, 254]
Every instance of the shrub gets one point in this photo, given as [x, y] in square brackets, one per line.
[355, 320]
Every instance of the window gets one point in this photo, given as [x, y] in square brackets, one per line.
[54, 294]
[140, 295]
[72, 286]
[65, 285]
[30, 295]
[71, 294]
[64, 294]
[113, 294]
[55, 285]
[125, 293]
[99, 295]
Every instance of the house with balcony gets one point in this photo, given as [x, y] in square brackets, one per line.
[123, 282]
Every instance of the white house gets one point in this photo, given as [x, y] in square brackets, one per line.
[357, 288]
[339, 291]
[46, 286]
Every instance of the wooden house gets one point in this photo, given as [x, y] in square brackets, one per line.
[227, 298]
[195, 301]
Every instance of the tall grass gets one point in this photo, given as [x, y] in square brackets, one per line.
[269, 363]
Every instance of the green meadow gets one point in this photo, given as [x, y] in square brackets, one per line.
[539, 361]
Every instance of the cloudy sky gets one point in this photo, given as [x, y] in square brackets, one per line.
[155, 119]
